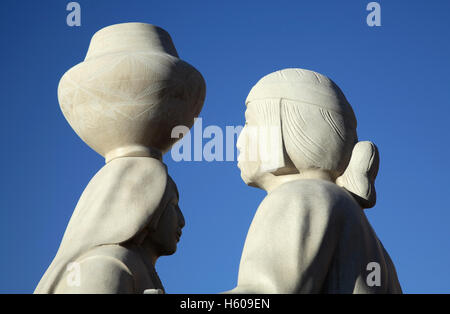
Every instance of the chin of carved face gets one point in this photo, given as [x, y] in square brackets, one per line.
[249, 171]
[168, 231]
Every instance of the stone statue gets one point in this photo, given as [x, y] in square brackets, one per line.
[123, 101]
[309, 234]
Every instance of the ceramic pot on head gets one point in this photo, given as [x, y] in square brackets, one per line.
[131, 90]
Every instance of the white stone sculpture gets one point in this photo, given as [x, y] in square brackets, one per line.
[123, 101]
[309, 234]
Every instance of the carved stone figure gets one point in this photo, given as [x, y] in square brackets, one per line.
[309, 234]
[123, 101]
[126, 218]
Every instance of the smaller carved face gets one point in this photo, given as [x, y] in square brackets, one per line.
[168, 230]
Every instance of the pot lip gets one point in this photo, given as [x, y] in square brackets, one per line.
[127, 26]
[153, 38]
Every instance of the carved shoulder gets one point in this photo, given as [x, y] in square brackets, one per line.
[97, 273]
[315, 197]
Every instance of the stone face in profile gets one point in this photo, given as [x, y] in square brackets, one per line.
[123, 101]
[310, 234]
[130, 91]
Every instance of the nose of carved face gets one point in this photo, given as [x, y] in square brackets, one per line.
[240, 146]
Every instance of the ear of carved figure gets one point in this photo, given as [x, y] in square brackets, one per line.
[359, 177]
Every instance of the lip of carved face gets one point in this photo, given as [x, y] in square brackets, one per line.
[178, 234]
[180, 222]
[241, 166]
[239, 163]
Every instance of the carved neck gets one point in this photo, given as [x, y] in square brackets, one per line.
[149, 257]
[133, 151]
[270, 182]
[149, 252]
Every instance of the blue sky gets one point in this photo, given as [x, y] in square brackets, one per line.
[395, 76]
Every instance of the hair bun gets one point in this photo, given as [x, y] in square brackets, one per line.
[359, 177]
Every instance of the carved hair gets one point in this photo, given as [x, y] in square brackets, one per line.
[317, 138]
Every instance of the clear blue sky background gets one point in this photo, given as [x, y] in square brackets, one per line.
[395, 76]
